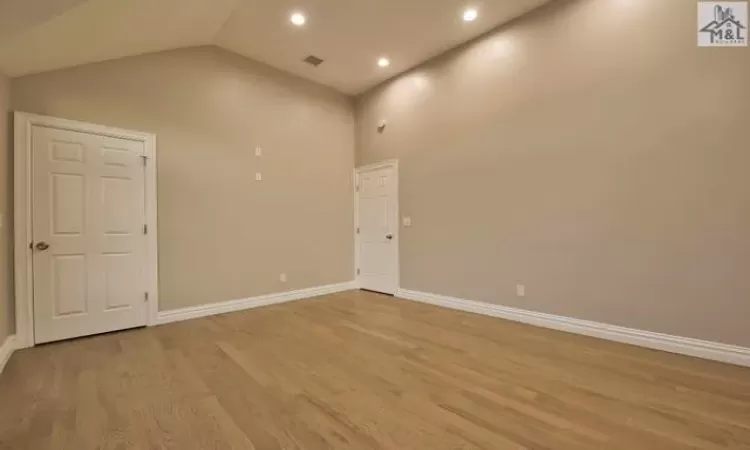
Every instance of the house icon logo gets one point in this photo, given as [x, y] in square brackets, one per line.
[722, 24]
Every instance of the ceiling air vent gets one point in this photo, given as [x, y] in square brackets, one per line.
[313, 60]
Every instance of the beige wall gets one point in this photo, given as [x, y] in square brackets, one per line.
[6, 227]
[222, 235]
[589, 151]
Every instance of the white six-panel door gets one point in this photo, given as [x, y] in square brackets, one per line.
[377, 229]
[89, 246]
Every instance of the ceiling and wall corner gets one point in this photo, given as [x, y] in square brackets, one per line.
[18, 15]
[603, 153]
[37, 37]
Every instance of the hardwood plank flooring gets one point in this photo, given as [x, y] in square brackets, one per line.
[358, 370]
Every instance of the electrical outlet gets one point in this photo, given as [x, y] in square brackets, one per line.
[521, 290]
[282, 278]
[407, 222]
[258, 176]
[258, 151]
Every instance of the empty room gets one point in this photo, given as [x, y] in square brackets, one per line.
[374, 224]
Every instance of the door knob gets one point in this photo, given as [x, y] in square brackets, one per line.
[389, 237]
[42, 246]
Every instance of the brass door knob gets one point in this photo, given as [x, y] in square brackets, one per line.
[42, 246]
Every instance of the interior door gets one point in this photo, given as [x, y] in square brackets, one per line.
[377, 229]
[89, 247]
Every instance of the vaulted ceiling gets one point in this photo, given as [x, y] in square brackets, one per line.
[349, 35]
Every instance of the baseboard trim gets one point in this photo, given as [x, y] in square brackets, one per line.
[178, 315]
[686, 346]
[6, 350]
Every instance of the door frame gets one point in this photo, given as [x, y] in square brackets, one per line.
[390, 163]
[22, 174]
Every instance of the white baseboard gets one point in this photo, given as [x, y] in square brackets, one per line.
[178, 315]
[686, 346]
[7, 349]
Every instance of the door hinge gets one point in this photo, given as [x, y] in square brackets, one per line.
[356, 187]
[357, 230]
[145, 229]
[144, 158]
[357, 271]
[145, 296]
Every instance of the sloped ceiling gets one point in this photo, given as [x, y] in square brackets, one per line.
[37, 36]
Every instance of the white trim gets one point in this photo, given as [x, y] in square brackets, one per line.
[178, 315]
[686, 346]
[378, 165]
[152, 237]
[22, 213]
[392, 163]
[6, 350]
[355, 221]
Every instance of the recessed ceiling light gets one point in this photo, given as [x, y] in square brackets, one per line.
[470, 15]
[298, 19]
[384, 62]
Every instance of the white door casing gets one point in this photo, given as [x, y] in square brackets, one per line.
[377, 227]
[85, 229]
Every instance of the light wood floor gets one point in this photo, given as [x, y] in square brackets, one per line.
[362, 371]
